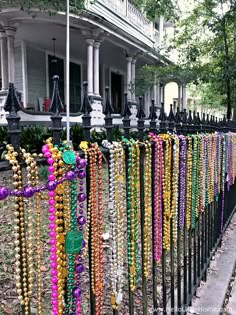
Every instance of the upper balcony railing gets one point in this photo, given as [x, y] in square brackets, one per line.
[126, 10]
[123, 9]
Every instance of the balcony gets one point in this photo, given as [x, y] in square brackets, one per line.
[126, 16]
[121, 13]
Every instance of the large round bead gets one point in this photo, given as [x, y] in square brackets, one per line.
[81, 174]
[76, 292]
[51, 185]
[4, 192]
[28, 191]
[81, 197]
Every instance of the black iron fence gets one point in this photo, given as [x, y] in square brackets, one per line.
[177, 275]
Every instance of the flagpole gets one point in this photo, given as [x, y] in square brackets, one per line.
[68, 71]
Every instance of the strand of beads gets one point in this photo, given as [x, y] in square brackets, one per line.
[194, 181]
[132, 211]
[81, 220]
[157, 204]
[74, 242]
[121, 207]
[175, 186]
[136, 203]
[189, 182]
[223, 170]
[95, 205]
[147, 229]
[38, 240]
[182, 180]
[31, 169]
[166, 189]
[52, 226]
[201, 174]
[116, 210]
[21, 275]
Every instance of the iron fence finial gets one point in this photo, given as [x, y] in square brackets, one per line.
[56, 105]
[12, 104]
[140, 112]
[108, 109]
[86, 107]
[127, 112]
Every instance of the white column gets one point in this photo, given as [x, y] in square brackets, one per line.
[158, 99]
[96, 46]
[10, 31]
[133, 75]
[184, 97]
[90, 65]
[4, 61]
[163, 94]
[129, 77]
[179, 96]
[24, 73]
[155, 92]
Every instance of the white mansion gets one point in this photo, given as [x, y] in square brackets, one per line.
[110, 40]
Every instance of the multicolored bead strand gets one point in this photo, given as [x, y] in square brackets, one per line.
[95, 209]
[166, 180]
[182, 181]
[147, 229]
[117, 207]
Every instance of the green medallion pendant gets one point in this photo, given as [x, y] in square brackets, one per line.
[73, 243]
[68, 157]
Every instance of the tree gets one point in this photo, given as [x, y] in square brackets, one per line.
[43, 5]
[155, 8]
[207, 40]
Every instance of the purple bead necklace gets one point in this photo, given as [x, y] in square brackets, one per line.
[182, 180]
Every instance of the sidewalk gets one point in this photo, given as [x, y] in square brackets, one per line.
[231, 307]
[210, 295]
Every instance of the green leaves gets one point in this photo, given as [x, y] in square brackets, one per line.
[43, 5]
[155, 8]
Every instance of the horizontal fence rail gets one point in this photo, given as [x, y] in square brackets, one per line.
[170, 195]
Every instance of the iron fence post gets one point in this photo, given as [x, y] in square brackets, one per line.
[56, 107]
[140, 115]
[126, 119]
[163, 119]
[12, 106]
[108, 110]
[152, 117]
[86, 109]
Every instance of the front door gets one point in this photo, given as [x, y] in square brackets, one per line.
[116, 92]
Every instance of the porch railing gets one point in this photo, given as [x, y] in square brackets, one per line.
[128, 11]
[185, 265]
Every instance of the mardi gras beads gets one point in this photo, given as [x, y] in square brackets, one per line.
[132, 213]
[189, 182]
[21, 274]
[157, 205]
[194, 181]
[95, 210]
[182, 181]
[147, 229]
[200, 170]
[166, 180]
[31, 168]
[175, 186]
[117, 208]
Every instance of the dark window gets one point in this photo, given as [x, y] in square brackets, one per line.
[56, 67]
[75, 89]
[116, 92]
